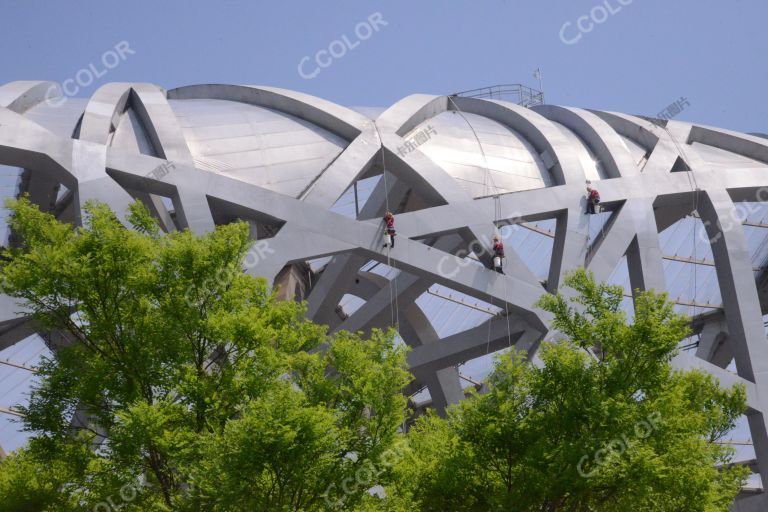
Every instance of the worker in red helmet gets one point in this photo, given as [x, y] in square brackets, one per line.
[593, 199]
[389, 230]
[498, 254]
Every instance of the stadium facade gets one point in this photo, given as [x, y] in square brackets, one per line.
[683, 210]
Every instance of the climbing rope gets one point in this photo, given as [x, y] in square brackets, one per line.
[693, 183]
[488, 183]
[487, 177]
[506, 314]
[393, 300]
[587, 246]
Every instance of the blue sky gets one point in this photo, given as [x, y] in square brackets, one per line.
[642, 57]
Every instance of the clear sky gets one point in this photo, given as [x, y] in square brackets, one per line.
[642, 56]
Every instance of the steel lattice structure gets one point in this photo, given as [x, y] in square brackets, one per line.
[281, 160]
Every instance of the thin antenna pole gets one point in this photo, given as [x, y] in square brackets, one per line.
[537, 75]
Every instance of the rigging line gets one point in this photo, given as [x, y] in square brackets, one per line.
[497, 215]
[690, 175]
[761, 260]
[693, 243]
[497, 207]
[391, 297]
[590, 247]
[589, 237]
[393, 304]
[487, 176]
[488, 339]
[695, 205]
[506, 317]
[397, 307]
[383, 165]
[505, 173]
[497, 212]
[506, 313]
[482, 151]
[602, 226]
[764, 241]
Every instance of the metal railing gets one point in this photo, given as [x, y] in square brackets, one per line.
[516, 93]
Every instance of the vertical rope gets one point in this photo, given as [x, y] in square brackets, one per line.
[691, 176]
[393, 301]
[487, 183]
[487, 177]
[506, 314]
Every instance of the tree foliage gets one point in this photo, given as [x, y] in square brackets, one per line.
[604, 423]
[181, 383]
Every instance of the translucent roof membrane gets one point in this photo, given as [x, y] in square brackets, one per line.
[345, 205]
[422, 396]
[16, 377]
[351, 303]
[620, 276]
[478, 368]
[533, 242]
[755, 224]
[451, 312]
[10, 180]
[381, 269]
[689, 267]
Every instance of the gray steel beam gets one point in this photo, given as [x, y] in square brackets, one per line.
[646, 197]
[742, 309]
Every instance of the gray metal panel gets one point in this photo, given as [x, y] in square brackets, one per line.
[250, 155]
[593, 168]
[131, 135]
[513, 163]
[61, 119]
[256, 144]
[723, 159]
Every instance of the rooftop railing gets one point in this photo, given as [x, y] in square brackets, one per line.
[516, 93]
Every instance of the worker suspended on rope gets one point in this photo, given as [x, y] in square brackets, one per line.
[389, 230]
[498, 254]
[593, 199]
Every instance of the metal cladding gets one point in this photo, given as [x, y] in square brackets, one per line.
[208, 154]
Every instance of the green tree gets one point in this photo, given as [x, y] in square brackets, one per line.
[181, 383]
[604, 423]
